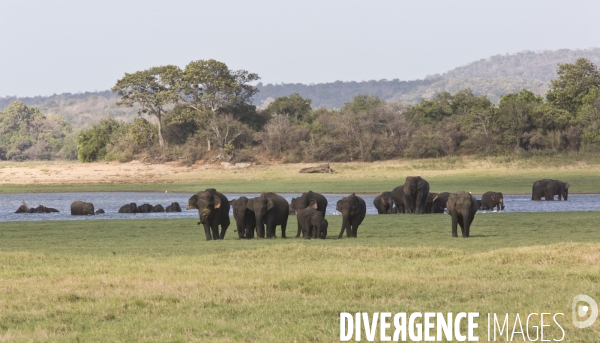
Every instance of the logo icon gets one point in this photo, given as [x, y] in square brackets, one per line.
[581, 311]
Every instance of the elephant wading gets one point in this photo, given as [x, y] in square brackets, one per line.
[353, 211]
[462, 206]
[307, 200]
[213, 211]
[399, 199]
[384, 203]
[415, 193]
[271, 210]
[129, 208]
[158, 208]
[80, 208]
[312, 223]
[145, 208]
[174, 207]
[244, 218]
[489, 200]
[555, 187]
[439, 202]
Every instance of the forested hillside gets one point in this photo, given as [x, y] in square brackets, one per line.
[493, 77]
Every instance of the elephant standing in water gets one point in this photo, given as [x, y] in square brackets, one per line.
[213, 210]
[489, 200]
[174, 207]
[271, 210]
[304, 201]
[353, 211]
[312, 223]
[415, 193]
[548, 188]
[80, 208]
[399, 199]
[244, 218]
[384, 203]
[129, 208]
[462, 206]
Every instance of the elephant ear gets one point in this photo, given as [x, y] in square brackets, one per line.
[216, 201]
[232, 202]
[338, 206]
[313, 204]
[249, 205]
[293, 204]
[567, 185]
[270, 204]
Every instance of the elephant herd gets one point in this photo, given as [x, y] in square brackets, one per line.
[147, 208]
[261, 215]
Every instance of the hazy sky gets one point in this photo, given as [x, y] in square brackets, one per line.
[49, 47]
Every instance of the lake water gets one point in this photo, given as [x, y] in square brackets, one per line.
[112, 201]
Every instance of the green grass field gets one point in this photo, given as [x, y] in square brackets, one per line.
[159, 281]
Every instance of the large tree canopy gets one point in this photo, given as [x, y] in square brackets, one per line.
[155, 90]
[574, 82]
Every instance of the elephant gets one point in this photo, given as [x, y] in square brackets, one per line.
[213, 210]
[353, 209]
[415, 193]
[538, 190]
[145, 208]
[100, 211]
[306, 200]
[44, 209]
[439, 202]
[311, 221]
[81, 208]
[244, 218]
[479, 204]
[292, 212]
[429, 202]
[174, 207]
[399, 199]
[489, 200]
[384, 203]
[271, 210]
[158, 208]
[555, 187]
[462, 206]
[23, 208]
[129, 208]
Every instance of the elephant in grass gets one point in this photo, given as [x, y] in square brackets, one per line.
[353, 209]
[415, 193]
[312, 223]
[489, 200]
[462, 207]
[306, 200]
[271, 210]
[384, 203]
[81, 208]
[213, 211]
[244, 218]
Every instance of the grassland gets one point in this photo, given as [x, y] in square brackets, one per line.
[511, 175]
[159, 281]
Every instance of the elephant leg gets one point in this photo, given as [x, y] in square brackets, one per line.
[461, 223]
[224, 227]
[283, 229]
[299, 230]
[344, 224]
[241, 230]
[454, 224]
[207, 232]
[215, 231]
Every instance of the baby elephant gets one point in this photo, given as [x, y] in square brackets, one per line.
[312, 223]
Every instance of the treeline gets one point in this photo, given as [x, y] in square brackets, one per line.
[205, 111]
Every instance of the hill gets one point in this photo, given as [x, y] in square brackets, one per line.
[493, 77]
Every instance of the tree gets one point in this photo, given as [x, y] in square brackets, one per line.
[574, 82]
[515, 113]
[91, 144]
[211, 89]
[155, 90]
[293, 106]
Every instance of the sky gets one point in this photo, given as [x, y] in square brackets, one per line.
[50, 47]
